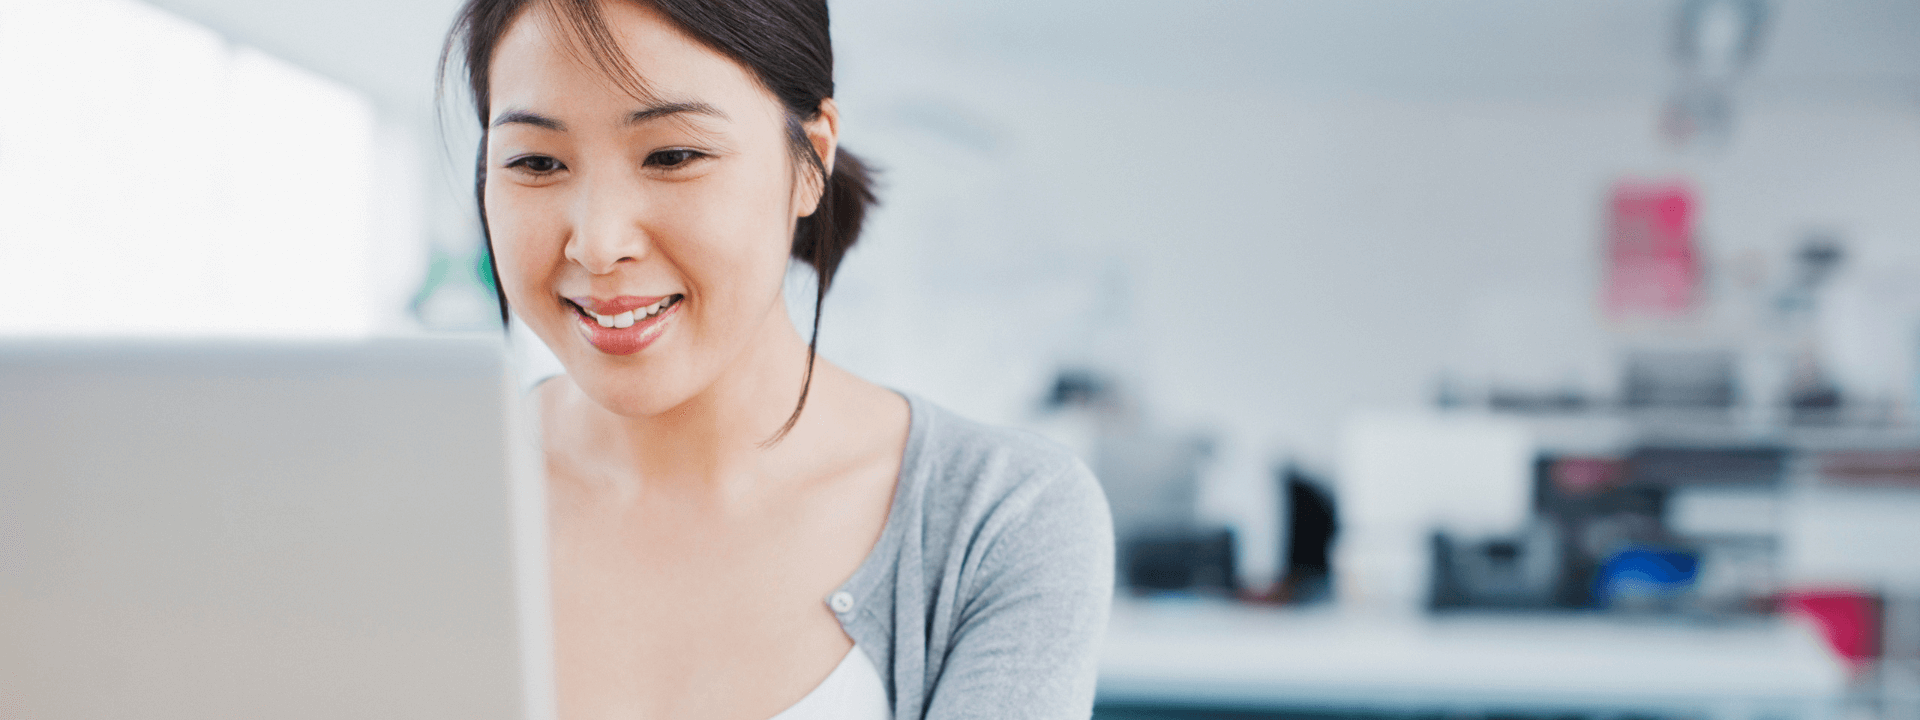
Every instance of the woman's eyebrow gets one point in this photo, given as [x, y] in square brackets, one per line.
[660, 110]
[645, 114]
[525, 117]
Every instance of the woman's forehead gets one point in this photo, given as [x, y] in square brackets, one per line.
[550, 60]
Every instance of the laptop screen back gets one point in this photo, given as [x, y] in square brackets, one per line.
[254, 530]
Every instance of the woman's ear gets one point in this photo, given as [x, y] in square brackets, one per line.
[823, 133]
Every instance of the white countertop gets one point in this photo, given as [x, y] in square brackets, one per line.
[1190, 652]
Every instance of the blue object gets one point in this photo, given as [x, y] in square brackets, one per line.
[1644, 573]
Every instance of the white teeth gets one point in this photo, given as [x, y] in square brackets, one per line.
[628, 318]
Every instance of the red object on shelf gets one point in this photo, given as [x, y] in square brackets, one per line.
[1652, 268]
[1895, 468]
[1848, 619]
[1578, 476]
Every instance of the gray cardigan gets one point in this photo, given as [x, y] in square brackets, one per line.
[987, 593]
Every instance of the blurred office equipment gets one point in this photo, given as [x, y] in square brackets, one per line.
[1504, 571]
[1078, 407]
[1151, 478]
[1714, 43]
[1404, 476]
[1737, 467]
[1688, 513]
[1636, 529]
[1697, 380]
[1688, 573]
[1811, 393]
[1627, 534]
[269, 530]
[1869, 468]
[1899, 669]
[1152, 483]
[1182, 560]
[1312, 526]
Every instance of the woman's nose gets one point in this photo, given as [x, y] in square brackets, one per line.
[607, 228]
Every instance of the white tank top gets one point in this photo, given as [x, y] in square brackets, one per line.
[851, 692]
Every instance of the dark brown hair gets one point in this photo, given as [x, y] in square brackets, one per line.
[784, 43]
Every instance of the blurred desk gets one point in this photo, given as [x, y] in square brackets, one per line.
[1219, 655]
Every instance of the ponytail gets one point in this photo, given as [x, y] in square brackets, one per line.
[822, 241]
[823, 238]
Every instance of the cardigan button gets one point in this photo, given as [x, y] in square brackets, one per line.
[841, 602]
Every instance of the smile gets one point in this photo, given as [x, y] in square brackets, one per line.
[624, 329]
[628, 318]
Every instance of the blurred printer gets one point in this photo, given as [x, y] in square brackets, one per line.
[1663, 529]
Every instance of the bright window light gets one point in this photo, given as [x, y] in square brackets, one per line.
[156, 180]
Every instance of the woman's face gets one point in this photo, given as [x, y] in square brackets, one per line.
[645, 240]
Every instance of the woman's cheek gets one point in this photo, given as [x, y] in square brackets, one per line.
[747, 255]
[516, 243]
[756, 242]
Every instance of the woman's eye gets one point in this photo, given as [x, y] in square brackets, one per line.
[537, 164]
[672, 158]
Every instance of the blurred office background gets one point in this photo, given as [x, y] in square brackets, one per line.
[1477, 358]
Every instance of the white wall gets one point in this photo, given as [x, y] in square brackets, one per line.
[1267, 261]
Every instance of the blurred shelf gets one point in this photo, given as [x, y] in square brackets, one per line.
[1221, 655]
[1612, 431]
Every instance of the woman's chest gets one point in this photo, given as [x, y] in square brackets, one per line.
[662, 614]
[655, 579]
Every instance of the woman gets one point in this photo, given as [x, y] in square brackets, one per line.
[739, 529]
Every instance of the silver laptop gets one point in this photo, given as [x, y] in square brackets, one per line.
[282, 530]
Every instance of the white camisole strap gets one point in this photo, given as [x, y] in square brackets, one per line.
[851, 692]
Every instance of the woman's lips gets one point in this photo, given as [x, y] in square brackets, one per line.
[631, 339]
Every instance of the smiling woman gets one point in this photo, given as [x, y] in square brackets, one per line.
[740, 529]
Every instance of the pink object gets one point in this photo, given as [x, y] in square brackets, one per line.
[1848, 619]
[1584, 476]
[1897, 468]
[1652, 269]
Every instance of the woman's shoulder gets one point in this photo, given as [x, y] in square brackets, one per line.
[975, 457]
[995, 574]
[979, 479]
[1010, 570]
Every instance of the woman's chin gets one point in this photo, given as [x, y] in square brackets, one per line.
[624, 394]
[630, 385]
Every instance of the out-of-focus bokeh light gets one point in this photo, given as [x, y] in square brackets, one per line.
[156, 179]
